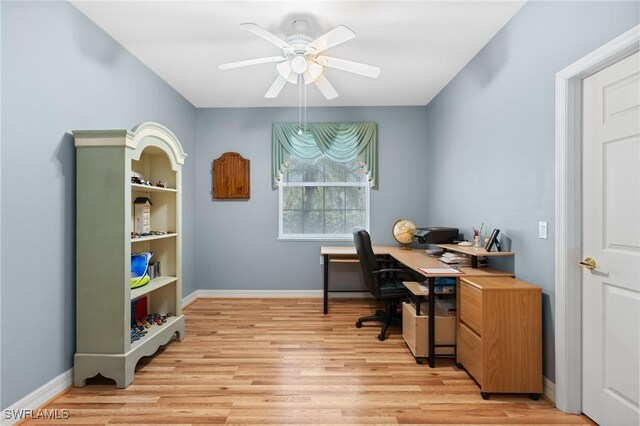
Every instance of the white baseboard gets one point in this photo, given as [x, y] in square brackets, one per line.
[259, 293]
[283, 294]
[189, 299]
[549, 389]
[38, 397]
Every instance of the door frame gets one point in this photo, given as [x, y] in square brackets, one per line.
[568, 215]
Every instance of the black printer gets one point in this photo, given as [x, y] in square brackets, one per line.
[436, 235]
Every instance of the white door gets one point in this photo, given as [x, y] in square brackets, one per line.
[611, 236]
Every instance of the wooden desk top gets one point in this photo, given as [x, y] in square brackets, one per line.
[416, 259]
[351, 250]
[415, 288]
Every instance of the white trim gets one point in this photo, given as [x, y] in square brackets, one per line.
[549, 389]
[320, 237]
[316, 237]
[131, 139]
[354, 184]
[244, 294]
[568, 247]
[40, 396]
[267, 294]
[189, 299]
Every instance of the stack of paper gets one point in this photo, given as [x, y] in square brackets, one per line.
[456, 258]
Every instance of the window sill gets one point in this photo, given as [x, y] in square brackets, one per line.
[316, 238]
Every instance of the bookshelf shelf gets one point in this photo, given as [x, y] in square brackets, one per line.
[136, 187]
[153, 331]
[154, 284]
[154, 237]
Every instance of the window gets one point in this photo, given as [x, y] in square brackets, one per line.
[323, 200]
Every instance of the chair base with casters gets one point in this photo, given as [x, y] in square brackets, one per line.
[388, 317]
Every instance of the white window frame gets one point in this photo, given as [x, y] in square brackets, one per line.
[320, 237]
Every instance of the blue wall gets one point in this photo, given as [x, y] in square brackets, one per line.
[234, 234]
[491, 133]
[60, 72]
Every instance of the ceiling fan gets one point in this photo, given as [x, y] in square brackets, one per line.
[300, 60]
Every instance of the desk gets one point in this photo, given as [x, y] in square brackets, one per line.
[413, 259]
[416, 259]
[343, 254]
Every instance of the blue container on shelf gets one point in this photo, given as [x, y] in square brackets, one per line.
[140, 269]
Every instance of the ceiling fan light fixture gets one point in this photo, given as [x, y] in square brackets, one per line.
[314, 70]
[299, 64]
[284, 69]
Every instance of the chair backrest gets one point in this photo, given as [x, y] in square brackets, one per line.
[367, 259]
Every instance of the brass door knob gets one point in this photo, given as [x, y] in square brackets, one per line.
[588, 263]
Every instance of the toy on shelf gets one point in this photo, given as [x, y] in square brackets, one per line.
[140, 326]
[140, 269]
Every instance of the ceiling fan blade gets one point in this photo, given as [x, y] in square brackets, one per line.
[284, 69]
[267, 35]
[338, 35]
[349, 66]
[249, 62]
[276, 87]
[325, 87]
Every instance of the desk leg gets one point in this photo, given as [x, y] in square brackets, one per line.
[326, 283]
[432, 322]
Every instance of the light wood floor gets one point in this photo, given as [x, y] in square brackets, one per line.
[280, 361]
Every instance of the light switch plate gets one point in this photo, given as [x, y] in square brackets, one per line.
[542, 230]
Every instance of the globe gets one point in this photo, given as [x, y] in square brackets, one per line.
[403, 231]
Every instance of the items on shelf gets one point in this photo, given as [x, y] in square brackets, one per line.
[139, 307]
[140, 269]
[434, 252]
[140, 326]
[147, 234]
[461, 259]
[154, 270]
[142, 215]
[442, 285]
[138, 179]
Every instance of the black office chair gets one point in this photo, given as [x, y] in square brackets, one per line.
[385, 284]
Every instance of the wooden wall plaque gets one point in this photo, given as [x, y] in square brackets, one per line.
[231, 177]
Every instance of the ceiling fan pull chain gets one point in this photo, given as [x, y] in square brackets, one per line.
[299, 105]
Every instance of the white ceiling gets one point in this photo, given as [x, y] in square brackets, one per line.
[420, 45]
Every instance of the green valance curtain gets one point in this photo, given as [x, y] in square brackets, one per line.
[340, 142]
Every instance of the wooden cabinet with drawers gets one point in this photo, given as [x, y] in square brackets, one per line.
[499, 334]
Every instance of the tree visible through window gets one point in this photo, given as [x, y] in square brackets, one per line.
[323, 199]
